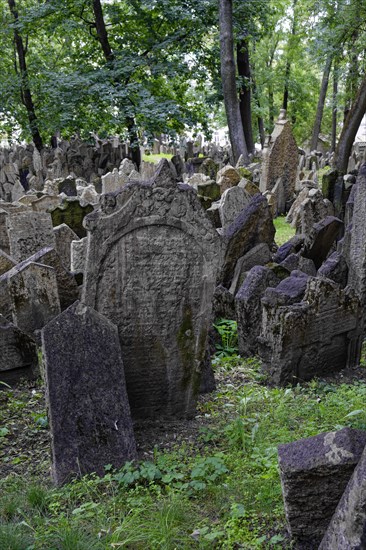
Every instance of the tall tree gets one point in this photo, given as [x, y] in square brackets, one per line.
[245, 94]
[350, 128]
[228, 77]
[110, 58]
[320, 107]
[26, 94]
[288, 62]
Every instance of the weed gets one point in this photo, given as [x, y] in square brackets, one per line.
[227, 329]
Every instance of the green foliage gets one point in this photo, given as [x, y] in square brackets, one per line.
[227, 329]
[220, 490]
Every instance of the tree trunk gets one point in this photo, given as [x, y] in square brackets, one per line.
[334, 106]
[350, 128]
[228, 78]
[352, 77]
[260, 122]
[288, 62]
[109, 57]
[320, 107]
[243, 64]
[26, 94]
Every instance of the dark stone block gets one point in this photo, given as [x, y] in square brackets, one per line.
[314, 473]
[89, 412]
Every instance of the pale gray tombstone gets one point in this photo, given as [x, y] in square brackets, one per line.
[28, 232]
[232, 202]
[151, 268]
[64, 236]
[29, 293]
[347, 529]
[88, 407]
[78, 255]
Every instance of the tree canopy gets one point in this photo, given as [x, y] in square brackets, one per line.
[159, 69]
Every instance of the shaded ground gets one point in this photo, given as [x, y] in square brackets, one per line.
[24, 434]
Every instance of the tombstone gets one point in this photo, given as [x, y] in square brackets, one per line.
[319, 242]
[78, 255]
[311, 332]
[347, 528]
[227, 177]
[292, 246]
[67, 287]
[335, 268]
[64, 236]
[314, 473]
[258, 255]
[28, 293]
[357, 252]
[18, 354]
[89, 414]
[73, 214]
[232, 202]
[248, 186]
[297, 262]
[68, 187]
[209, 168]
[151, 268]
[17, 191]
[280, 159]
[29, 232]
[47, 203]
[6, 262]
[253, 226]
[111, 182]
[248, 306]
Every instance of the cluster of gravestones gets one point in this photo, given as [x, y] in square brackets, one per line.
[121, 288]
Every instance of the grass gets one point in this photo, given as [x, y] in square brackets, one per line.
[284, 231]
[220, 491]
[156, 158]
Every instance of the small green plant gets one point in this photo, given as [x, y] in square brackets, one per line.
[228, 331]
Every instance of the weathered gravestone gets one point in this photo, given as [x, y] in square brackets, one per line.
[310, 327]
[280, 160]
[357, 252]
[29, 232]
[232, 202]
[320, 240]
[78, 255]
[347, 529]
[89, 413]
[254, 225]
[18, 354]
[64, 236]
[28, 295]
[314, 473]
[248, 305]
[151, 267]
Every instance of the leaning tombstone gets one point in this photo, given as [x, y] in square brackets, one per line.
[28, 292]
[29, 232]
[314, 473]
[347, 528]
[89, 413]
[151, 267]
